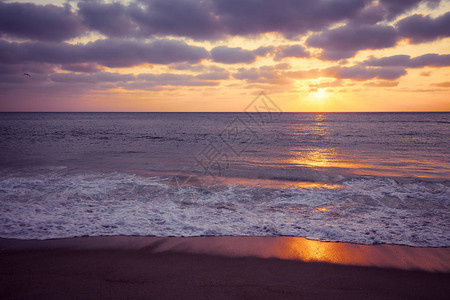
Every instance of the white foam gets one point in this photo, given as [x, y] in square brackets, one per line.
[64, 204]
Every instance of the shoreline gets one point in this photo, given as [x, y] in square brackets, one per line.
[121, 267]
[404, 257]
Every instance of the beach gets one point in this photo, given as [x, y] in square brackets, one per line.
[200, 268]
[168, 206]
[224, 149]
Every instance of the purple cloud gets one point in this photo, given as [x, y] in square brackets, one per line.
[110, 53]
[266, 74]
[190, 18]
[394, 8]
[213, 19]
[421, 29]
[291, 51]
[91, 78]
[81, 67]
[345, 41]
[173, 80]
[289, 17]
[365, 73]
[110, 19]
[206, 19]
[120, 53]
[14, 73]
[38, 22]
[226, 55]
[405, 61]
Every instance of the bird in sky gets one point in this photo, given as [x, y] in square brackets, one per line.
[26, 74]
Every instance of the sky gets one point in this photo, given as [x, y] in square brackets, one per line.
[218, 55]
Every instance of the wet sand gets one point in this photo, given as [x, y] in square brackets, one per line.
[219, 268]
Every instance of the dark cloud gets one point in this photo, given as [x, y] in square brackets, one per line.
[291, 51]
[105, 80]
[110, 53]
[82, 67]
[263, 51]
[191, 18]
[395, 60]
[14, 73]
[388, 10]
[110, 19]
[393, 8]
[405, 61]
[419, 28]
[214, 19]
[365, 73]
[289, 17]
[38, 22]
[226, 55]
[209, 19]
[345, 41]
[119, 53]
[91, 78]
[430, 60]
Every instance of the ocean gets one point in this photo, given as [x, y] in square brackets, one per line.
[364, 178]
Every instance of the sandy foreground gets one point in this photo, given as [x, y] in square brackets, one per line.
[219, 268]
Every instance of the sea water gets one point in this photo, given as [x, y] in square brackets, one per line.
[351, 177]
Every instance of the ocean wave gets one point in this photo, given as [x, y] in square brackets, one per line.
[61, 202]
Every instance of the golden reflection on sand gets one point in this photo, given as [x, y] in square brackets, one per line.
[294, 248]
[299, 248]
[391, 256]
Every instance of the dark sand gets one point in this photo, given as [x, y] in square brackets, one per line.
[217, 268]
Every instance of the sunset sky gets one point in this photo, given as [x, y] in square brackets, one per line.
[217, 55]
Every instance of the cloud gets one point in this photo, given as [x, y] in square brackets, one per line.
[393, 8]
[289, 17]
[207, 19]
[445, 84]
[419, 28]
[215, 19]
[388, 10]
[264, 50]
[405, 61]
[266, 74]
[91, 78]
[226, 55]
[364, 73]
[39, 22]
[82, 67]
[110, 19]
[119, 53]
[291, 51]
[107, 80]
[191, 18]
[110, 53]
[215, 75]
[14, 73]
[345, 41]
[168, 79]
[382, 84]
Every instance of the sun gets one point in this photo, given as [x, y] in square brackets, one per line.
[320, 93]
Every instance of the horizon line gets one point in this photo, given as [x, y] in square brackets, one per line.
[311, 112]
